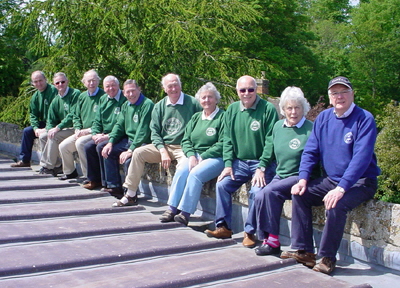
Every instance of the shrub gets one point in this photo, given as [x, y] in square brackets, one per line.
[388, 153]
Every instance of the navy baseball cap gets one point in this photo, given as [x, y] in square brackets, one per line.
[340, 80]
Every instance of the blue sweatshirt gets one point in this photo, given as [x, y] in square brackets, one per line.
[345, 147]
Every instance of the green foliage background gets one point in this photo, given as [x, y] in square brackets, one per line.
[300, 43]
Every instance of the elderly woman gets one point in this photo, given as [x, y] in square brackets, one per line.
[202, 145]
[289, 138]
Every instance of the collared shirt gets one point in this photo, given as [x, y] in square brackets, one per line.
[139, 101]
[298, 125]
[254, 106]
[347, 113]
[211, 116]
[94, 93]
[116, 96]
[179, 102]
[65, 93]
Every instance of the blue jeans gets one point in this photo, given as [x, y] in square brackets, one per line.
[186, 186]
[243, 172]
[268, 204]
[112, 176]
[302, 228]
[28, 137]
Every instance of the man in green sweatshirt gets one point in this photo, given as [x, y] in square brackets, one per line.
[82, 117]
[168, 122]
[38, 108]
[58, 125]
[106, 118]
[248, 155]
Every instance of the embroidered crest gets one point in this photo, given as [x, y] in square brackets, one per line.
[255, 125]
[211, 131]
[348, 138]
[294, 143]
[172, 126]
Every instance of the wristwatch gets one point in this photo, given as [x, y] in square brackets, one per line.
[340, 189]
[262, 169]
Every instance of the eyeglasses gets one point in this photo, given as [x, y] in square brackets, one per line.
[250, 90]
[336, 94]
[60, 82]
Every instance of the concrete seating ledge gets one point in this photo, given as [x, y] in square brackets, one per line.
[372, 232]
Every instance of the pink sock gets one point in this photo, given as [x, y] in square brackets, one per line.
[273, 241]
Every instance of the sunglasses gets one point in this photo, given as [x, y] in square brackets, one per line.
[250, 90]
[59, 82]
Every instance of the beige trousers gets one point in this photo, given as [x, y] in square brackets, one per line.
[150, 154]
[50, 153]
[67, 149]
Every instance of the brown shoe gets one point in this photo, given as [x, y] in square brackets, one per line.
[20, 164]
[221, 232]
[131, 202]
[326, 265]
[249, 240]
[91, 185]
[301, 256]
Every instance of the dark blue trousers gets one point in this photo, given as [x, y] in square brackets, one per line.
[302, 228]
[28, 137]
[95, 169]
[111, 164]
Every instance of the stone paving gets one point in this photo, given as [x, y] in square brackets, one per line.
[56, 234]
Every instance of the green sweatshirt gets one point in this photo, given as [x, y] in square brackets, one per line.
[85, 110]
[288, 146]
[248, 133]
[39, 105]
[134, 122]
[60, 108]
[204, 136]
[107, 114]
[168, 122]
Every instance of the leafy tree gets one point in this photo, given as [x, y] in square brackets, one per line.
[374, 44]
[145, 40]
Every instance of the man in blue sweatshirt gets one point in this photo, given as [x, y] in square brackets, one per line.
[342, 140]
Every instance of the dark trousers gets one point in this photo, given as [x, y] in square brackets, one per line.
[28, 137]
[95, 169]
[111, 164]
[302, 228]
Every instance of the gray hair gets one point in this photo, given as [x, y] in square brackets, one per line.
[92, 71]
[38, 72]
[58, 74]
[208, 87]
[295, 94]
[111, 78]
[246, 76]
[165, 76]
[131, 81]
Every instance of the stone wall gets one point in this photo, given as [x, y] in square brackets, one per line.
[372, 231]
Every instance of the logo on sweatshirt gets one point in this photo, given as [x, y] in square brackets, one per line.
[95, 107]
[172, 126]
[46, 102]
[294, 143]
[66, 106]
[211, 131]
[117, 110]
[255, 125]
[348, 138]
[135, 118]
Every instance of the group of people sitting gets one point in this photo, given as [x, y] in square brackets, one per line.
[330, 162]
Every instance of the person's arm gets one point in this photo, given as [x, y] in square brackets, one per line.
[34, 111]
[156, 126]
[143, 129]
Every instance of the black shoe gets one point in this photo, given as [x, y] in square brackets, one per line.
[58, 170]
[265, 249]
[69, 176]
[44, 171]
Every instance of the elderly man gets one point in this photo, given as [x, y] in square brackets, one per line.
[83, 117]
[247, 155]
[106, 118]
[131, 131]
[38, 108]
[58, 126]
[350, 132]
[168, 122]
